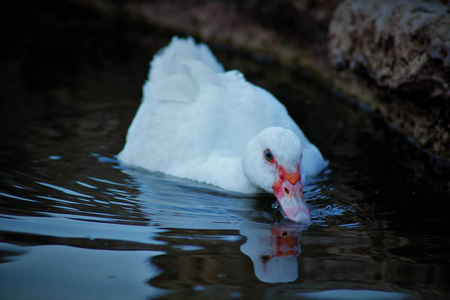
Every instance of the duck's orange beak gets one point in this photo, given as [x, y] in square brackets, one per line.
[289, 192]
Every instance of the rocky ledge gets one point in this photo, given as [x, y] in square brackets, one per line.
[402, 45]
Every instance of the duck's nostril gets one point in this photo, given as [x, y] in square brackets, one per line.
[287, 191]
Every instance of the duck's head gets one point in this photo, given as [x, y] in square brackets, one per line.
[271, 161]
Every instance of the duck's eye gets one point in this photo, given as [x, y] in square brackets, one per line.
[268, 155]
[264, 258]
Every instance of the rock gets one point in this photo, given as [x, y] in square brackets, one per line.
[401, 44]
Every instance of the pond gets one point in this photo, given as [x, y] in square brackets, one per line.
[77, 224]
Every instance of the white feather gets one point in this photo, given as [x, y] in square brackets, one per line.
[195, 120]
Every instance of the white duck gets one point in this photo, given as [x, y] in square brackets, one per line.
[199, 122]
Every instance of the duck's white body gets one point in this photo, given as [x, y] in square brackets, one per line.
[195, 120]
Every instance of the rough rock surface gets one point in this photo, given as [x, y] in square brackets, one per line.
[402, 44]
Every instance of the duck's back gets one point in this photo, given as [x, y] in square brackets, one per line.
[195, 119]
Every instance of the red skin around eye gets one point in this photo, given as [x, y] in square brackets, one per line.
[288, 190]
[293, 177]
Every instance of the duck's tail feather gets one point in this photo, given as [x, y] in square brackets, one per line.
[170, 58]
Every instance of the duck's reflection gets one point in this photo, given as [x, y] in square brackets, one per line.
[273, 250]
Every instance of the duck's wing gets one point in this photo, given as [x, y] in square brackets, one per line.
[170, 125]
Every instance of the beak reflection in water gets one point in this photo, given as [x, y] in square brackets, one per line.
[273, 250]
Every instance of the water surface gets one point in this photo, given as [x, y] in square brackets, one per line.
[76, 224]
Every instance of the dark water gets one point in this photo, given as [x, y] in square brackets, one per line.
[76, 224]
